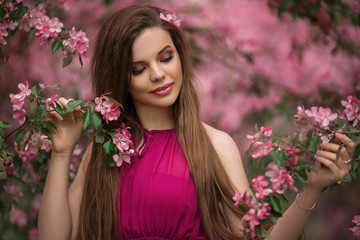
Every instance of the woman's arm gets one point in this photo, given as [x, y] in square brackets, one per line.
[55, 216]
[292, 223]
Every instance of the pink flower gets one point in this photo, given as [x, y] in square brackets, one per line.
[356, 220]
[109, 110]
[280, 179]
[50, 102]
[325, 116]
[122, 142]
[264, 210]
[259, 183]
[46, 143]
[352, 107]
[35, 206]
[13, 191]
[43, 27]
[242, 197]
[3, 33]
[171, 18]
[252, 218]
[55, 27]
[292, 159]
[20, 116]
[251, 232]
[262, 149]
[18, 217]
[33, 234]
[18, 100]
[266, 131]
[356, 231]
[120, 158]
[312, 113]
[77, 41]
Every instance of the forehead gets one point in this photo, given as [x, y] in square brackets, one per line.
[150, 42]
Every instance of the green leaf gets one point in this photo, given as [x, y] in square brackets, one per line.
[24, 10]
[109, 161]
[108, 146]
[49, 124]
[46, 132]
[1, 141]
[19, 135]
[56, 46]
[2, 13]
[314, 142]
[59, 109]
[43, 111]
[5, 125]
[42, 157]
[17, 162]
[357, 152]
[14, 15]
[86, 119]
[35, 91]
[95, 120]
[279, 157]
[31, 35]
[67, 60]
[347, 178]
[261, 232]
[265, 161]
[274, 201]
[5, 212]
[271, 220]
[301, 177]
[72, 104]
[340, 122]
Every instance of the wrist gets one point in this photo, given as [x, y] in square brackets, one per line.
[64, 154]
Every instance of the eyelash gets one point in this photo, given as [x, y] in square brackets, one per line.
[168, 59]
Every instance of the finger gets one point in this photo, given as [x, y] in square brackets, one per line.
[55, 115]
[340, 137]
[331, 147]
[336, 171]
[328, 155]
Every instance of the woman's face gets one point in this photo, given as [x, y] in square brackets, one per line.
[156, 70]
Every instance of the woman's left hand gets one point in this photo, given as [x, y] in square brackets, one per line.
[333, 162]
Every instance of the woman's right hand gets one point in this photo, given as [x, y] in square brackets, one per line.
[68, 128]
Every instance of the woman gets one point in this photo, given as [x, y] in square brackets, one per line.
[143, 61]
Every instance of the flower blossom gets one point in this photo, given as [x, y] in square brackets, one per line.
[20, 116]
[109, 110]
[356, 228]
[13, 191]
[264, 134]
[18, 100]
[50, 102]
[252, 218]
[262, 149]
[77, 41]
[259, 183]
[3, 33]
[48, 27]
[242, 197]
[280, 179]
[325, 116]
[171, 18]
[123, 143]
[352, 109]
[18, 217]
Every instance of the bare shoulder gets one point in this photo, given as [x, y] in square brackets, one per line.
[223, 143]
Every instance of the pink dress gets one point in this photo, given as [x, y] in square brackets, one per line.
[156, 196]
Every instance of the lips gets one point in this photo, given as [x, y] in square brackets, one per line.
[163, 90]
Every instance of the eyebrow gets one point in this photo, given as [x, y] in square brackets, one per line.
[162, 50]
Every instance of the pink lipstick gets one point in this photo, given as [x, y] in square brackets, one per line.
[163, 90]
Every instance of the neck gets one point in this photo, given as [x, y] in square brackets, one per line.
[156, 118]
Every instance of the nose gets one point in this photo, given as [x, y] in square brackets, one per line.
[157, 73]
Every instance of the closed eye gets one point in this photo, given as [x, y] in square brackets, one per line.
[167, 59]
[137, 72]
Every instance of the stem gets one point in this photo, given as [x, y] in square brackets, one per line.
[27, 120]
[22, 181]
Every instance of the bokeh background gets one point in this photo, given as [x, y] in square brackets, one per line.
[255, 61]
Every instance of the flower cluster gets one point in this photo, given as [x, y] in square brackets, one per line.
[77, 42]
[171, 18]
[352, 109]
[356, 228]
[108, 109]
[46, 29]
[257, 211]
[260, 141]
[280, 179]
[18, 101]
[124, 145]
[320, 116]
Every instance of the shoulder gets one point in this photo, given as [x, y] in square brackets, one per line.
[223, 143]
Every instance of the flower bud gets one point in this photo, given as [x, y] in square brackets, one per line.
[31, 110]
[36, 140]
[24, 140]
[288, 149]
[296, 151]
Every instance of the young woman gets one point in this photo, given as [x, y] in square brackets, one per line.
[184, 169]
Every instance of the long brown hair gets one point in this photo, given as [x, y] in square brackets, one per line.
[111, 72]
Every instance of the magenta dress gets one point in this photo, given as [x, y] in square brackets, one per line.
[156, 194]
